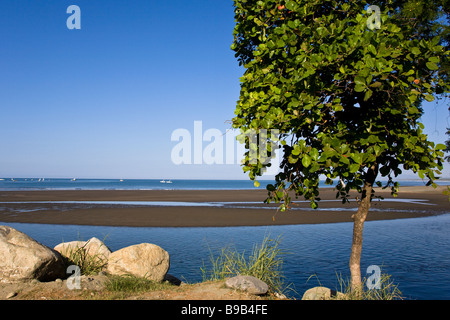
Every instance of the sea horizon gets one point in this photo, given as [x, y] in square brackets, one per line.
[31, 183]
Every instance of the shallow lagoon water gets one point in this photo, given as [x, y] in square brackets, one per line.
[243, 205]
[415, 251]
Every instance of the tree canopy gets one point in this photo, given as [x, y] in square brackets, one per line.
[348, 97]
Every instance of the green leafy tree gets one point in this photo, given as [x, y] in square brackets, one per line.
[343, 86]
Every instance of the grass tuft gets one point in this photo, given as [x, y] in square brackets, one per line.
[130, 283]
[89, 263]
[388, 290]
[264, 262]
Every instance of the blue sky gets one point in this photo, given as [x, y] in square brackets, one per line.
[103, 101]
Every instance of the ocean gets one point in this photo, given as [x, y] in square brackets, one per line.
[144, 184]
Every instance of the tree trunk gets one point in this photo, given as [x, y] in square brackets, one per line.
[358, 224]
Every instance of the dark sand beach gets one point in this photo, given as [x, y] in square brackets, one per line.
[232, 210]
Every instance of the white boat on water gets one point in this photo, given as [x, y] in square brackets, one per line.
[166, 181]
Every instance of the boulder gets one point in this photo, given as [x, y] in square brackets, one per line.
[248, 284]
[23, 258]
[93, 247]
[144, 260]
[322, 293]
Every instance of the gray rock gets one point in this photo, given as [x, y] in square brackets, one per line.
[94, 283]
[93, 247]
[22, 258]
[144, 260]
[248, 284]
[322, 293]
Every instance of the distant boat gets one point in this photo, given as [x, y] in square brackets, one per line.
[121, 180]
[2, 179]
[163, 181]
[74, 179]
[168, 181]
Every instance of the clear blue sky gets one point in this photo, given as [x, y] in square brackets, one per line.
[103, 101]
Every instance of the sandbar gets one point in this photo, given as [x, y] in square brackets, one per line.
[234, 208]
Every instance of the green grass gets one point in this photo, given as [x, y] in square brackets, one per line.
[388, 290]
[130, 283]
[89, 263]
[265, 262]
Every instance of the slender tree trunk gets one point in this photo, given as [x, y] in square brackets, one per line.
[358, 225]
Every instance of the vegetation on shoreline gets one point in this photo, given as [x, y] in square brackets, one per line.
[387, 290]
[265, 262]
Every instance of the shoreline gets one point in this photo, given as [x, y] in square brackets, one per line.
[433, 202]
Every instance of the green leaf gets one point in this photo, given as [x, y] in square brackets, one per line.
[433, 59]
[354, 167]
[344, 148]
[357, 157]
[306, 161]
[257, 184]
[292, 159]
[429, 97]
[372, 49]
[344, 160]
[432, 66]
[376, 84]
[440, 146]
[421, 175]
[314, 154]
[377, 150]
[415, 50]
[291, 5]
[360, 80]
[367, 95]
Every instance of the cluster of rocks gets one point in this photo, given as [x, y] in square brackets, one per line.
[24, 259]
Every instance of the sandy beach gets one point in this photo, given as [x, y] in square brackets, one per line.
[226, 207]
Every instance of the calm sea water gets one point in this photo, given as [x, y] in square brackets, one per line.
[140, 184]
[414, 251]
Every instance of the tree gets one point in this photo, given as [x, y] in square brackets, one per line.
[343, 84]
